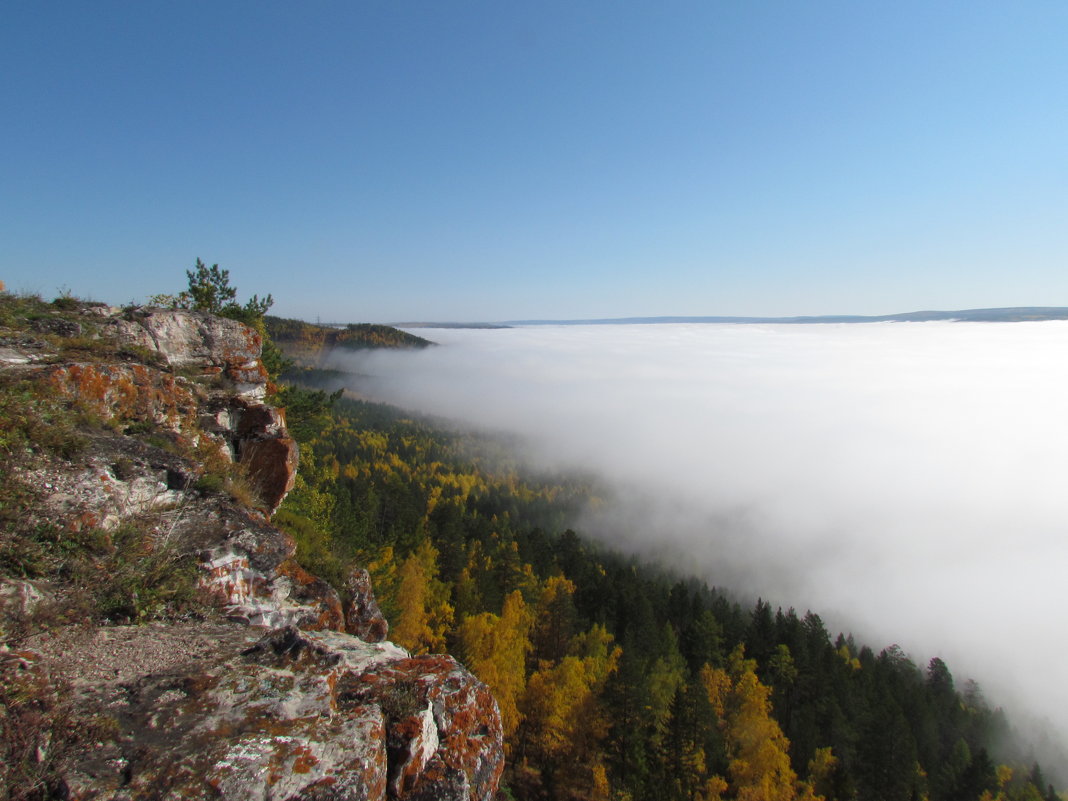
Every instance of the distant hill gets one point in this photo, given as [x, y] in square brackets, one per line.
[309, 346]
[1014, 314]
[308, 343]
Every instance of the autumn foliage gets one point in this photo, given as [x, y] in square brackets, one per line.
[615, 680]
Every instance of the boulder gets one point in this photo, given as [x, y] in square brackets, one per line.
[214, 345]
[115, 479]
[255, 435]
[303, 715]
[311, 593]
[190, 338]
[458, 757]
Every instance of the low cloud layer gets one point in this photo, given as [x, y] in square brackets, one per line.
[905, 481]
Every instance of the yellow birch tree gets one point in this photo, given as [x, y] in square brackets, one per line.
[495, 649]
[424, 613]
[758, 752]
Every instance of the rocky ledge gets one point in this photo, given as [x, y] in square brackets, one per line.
[232, 712]
[284, 692]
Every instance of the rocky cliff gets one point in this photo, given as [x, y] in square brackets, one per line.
[264, 682]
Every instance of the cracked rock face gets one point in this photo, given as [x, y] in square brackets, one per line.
[112, 484]
[249, 571]
[304, 715]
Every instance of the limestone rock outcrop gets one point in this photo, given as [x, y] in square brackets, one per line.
[213, 345]
[283, 692]
[249, 571]
[205, 381]
[126, 392]
[303, 715]
[215, 406]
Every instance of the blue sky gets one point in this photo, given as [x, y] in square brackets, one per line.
[393, 161]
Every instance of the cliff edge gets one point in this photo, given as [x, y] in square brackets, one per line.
[143, 467]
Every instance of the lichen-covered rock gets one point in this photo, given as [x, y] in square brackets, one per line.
[460, 757]
[197, 339]
[290, 597]
[255, 435]
[126, 392]
[233, 416]
[363, 618]
[117, 478]
[320, 602]
[301, 715]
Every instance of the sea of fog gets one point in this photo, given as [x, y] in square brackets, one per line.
[907, 481]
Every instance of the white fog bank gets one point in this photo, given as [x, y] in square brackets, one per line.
[907, 481]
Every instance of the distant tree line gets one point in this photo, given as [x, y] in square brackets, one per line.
[354, 336]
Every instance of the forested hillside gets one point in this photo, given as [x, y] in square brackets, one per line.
[309, 341]
[616, 680]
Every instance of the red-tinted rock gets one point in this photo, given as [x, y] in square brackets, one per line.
[314, 594]
[257, 420]
[272, 467]
[249, 374]
[253, 579]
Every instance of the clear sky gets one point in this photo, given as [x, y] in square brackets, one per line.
[395, 161]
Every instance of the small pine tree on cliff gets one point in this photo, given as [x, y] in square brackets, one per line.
[210, 291]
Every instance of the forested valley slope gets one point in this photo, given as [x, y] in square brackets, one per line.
[615, 679]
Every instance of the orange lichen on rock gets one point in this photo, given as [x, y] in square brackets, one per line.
[125, 392]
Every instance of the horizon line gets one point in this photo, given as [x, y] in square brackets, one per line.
[993, 314]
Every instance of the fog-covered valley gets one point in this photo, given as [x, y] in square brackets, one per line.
[905, 481]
